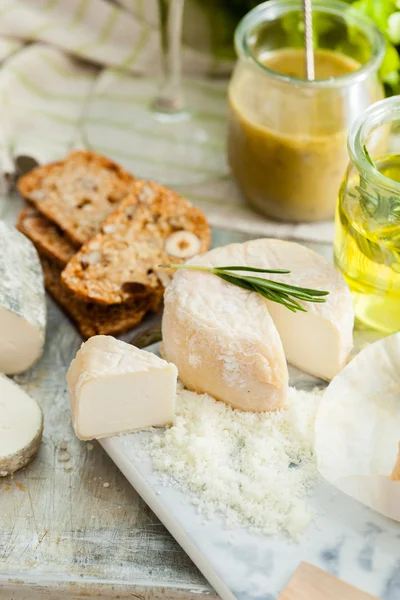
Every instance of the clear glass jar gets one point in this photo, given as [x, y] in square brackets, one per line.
[367, 235]
[286, 135]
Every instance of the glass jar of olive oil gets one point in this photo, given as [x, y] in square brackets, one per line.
[367, 239]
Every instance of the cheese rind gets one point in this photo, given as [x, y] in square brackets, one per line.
[117, 388]
[22, 303]
[231, 343]
[358, 428]
[222, 337]
[21, 427]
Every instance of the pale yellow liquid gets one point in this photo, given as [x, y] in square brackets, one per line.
[367, 252]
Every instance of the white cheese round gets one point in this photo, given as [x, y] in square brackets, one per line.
[22, 303]
[21, 427]
[231, 343]
[358, 428]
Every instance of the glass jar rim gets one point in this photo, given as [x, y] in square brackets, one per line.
[381, 112]
[332, 7]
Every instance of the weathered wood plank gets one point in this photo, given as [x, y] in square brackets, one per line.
[78, 524]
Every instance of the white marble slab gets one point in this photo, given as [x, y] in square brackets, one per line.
[347, 539]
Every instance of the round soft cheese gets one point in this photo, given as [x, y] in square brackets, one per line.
[231, 343]
[357, 430]
[21, 427]
[22, 302]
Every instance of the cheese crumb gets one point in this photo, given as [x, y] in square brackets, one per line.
[254, 469]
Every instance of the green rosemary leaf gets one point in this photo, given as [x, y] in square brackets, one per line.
[235, 280]
[270, 295]
[292, 289]
[252, 269]
[285, 294]
[274, 296]
[284, 299]
[369, 202]
[368, 157]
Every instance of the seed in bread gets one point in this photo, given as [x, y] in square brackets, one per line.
[94, 319]
[78, 193]
[49, 240]
[152, 226]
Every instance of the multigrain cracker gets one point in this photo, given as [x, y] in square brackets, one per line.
[93, 319]
[78, 193]
[49, 240]
[152, 226]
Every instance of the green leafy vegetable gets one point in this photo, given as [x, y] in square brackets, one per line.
[276, 291]
[223, 16]
[386, 15]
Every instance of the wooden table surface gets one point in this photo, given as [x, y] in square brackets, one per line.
[78, 529]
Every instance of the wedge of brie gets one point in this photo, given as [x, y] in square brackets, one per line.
[117, 388]
[358, 428]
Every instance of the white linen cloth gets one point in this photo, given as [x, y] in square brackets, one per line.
[52, 55]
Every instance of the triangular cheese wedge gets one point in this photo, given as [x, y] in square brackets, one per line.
[116, 388]
[233, 344]
[358, 428]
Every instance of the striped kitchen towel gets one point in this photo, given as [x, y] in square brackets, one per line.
[57, 57]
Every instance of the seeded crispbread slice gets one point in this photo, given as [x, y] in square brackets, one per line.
[94, 319]
[49, 240]
[152, 226]
[78, 193]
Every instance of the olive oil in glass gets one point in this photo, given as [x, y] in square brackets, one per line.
[367, 242]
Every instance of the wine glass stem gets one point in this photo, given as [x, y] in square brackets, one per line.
[170, 97]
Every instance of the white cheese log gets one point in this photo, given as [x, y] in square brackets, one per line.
[21, 427]
[22, 302]
[231, 343]
[358, 428]
[117, 388]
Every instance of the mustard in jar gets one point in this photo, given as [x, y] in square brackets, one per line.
[287, 136]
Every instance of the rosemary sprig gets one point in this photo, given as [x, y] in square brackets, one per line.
[276, 291]
[368, 157]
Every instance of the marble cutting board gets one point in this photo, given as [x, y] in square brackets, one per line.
[347, 539]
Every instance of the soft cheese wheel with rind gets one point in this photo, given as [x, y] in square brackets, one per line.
[358, 428]
[231, 343]
[222, 338]
[118, 388]
[22, 302]
[21, 427]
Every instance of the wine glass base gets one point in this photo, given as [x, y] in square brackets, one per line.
[178, 148]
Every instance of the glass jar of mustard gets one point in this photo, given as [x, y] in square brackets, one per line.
[286, 135]
[367, 234]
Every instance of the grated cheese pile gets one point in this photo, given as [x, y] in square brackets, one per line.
[254, 469]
